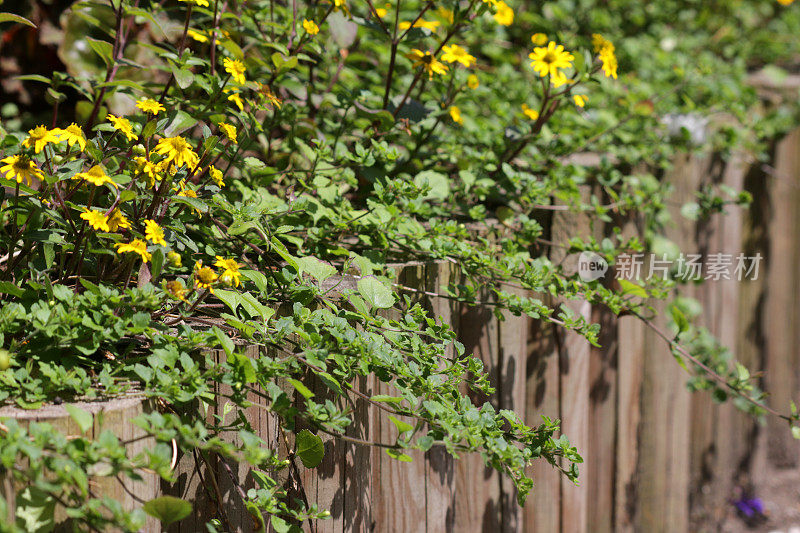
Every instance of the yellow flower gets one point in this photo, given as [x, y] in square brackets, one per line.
[95, 175]
[73, 135]
[381, 11]
[204, 277]
[177, 151]
[473, 82]
[20, 168]
[197, 36]
[136, 246]
[174, 259]
[216, 176]
[455, 114]
[148, 169]
[235, 68]
[201, 3]
[548, 60]
[230, 274]
[229, 131]
[267, 94]
[148, 105]
[530, 113]
[609, 61]
[96, 219]
[427, 61]
[175, 289]
[600, 43]
[539, 39]
[340, 4]
[39, 137]
[310, 26]
[123, 125]
[117, 220]
[427, 24]
[504, 15]
[785, 2]
[446, 14]
[236, 99]
[154, 233]
[185, 191]
[454, 53]
[580, 100]
[490, 2]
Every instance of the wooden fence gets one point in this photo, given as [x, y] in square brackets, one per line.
[656, 458]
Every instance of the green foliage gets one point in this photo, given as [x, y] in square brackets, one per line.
[271, 180]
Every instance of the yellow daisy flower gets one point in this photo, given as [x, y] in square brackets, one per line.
[229, 268]
[310, 26]
[229, 130]
[39, 137]
[427, 24]
[216, 176]
[454, 53]
[117, 220]
[197, 36]
[473, 82]
[96, 219]
[95, 175]
[530, 113]
[20, 168]
[73, 135]
[427, 61]
[154, 233]
[236, 99]
[547, 60]
[539, 39]
[579, 99]
[201, 3]
[235, 68]
[204, 277]
[148, 169]
[123, 125]
[455, 114]
[177, 151]
[504, 15]
[609, 61]
[148, 105]
[136, 246]
[176, 289]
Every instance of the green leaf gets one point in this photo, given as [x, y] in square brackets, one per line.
[35, 510]
[102, 49]
[168, 509]
[679, 318]
[6, 287]
[385, 398]
[243, 364]
[83, 418]
[181, 122]
[400, 456]
[230, 298]
[309, 449]
[319, 270]
[299, 387]
[401, 426]
[11, 17]
[183, 77]
[375, 293]
[630, 288]
[439, 184]
[224, 340]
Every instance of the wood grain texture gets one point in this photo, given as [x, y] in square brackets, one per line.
[781, 311]
[664, 442]
[542, 398]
